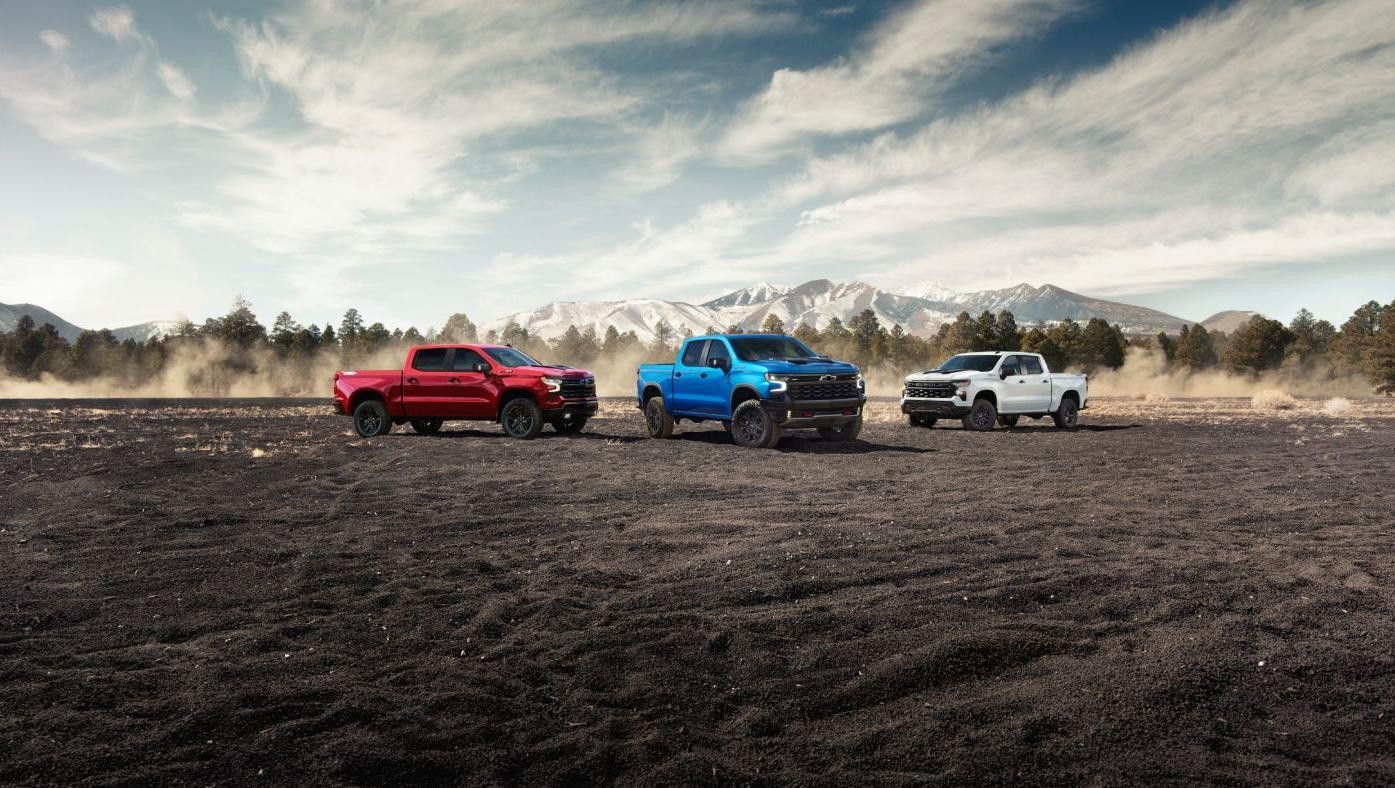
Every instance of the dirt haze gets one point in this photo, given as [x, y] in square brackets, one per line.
[221, 591]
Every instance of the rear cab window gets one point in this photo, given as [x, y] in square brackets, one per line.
[431, 359]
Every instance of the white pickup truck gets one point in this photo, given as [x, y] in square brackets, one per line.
[985, 389]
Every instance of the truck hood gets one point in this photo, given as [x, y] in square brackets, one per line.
[546, 371]
[937, 377]
[810, 367]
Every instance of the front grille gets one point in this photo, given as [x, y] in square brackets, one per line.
[578, 388]
[943, 390]
[814, 387]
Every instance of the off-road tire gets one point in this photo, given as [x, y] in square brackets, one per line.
[521, 418]
[1067, 415]
[657, 418]
[982, 416]
[1008, 421]
[921, 420]
[427, 426]
[752, 427]
[846, 431]
[371, 419]
[570, 426]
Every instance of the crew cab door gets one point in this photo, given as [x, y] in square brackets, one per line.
[687, 369]
[713, 388]
[472, 392]
[426, 389]
[1036, 385]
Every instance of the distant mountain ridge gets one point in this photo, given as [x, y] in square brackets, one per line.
[141, 332]
[920, 311]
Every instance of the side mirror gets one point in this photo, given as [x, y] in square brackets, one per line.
[480, 366]
[723, 364]
[1006, 372]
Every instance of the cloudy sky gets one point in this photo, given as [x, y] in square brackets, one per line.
[422, 157]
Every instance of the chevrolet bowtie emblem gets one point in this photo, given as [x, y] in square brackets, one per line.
[828, 377]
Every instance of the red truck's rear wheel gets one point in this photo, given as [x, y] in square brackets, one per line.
[371, 419]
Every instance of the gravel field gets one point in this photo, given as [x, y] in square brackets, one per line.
[221, 591]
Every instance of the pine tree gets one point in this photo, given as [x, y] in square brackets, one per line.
[1167, 346]
[1379, 356]
[1256, 346]
[1348, 348]
[1195, 349]
[961, 336]
[284, 330]
[458, 328]
[350, 327]
[772, 324]
[1006, 334]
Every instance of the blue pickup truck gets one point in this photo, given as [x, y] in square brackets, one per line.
[757, 385]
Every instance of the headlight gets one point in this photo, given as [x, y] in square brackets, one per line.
[778, 383]
[963, 384]
[553, 384]
[861, 382]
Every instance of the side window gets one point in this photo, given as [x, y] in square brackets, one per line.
[716, 348]
[466, 359]
[692, 354]
[1031, 365]
[1010, 366]
[431, 359]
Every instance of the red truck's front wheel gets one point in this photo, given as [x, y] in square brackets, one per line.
[522, 419]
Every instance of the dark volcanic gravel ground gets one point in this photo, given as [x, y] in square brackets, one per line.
[217, 591]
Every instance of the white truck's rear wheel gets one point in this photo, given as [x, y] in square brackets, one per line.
[1067, 414]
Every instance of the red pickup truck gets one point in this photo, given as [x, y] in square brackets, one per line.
[476, 382]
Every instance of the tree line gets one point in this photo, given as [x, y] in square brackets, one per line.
[1364, 345]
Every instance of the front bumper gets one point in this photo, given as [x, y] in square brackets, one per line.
[555, 408]
[935, 407]
[795, 414]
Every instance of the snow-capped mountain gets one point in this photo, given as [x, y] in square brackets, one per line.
[757, 293]
[144, 332]
[921, 310]
[141, 332]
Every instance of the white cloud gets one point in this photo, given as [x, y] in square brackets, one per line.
[54, 40]
[117, 23]
[175, 81]
[909, 58]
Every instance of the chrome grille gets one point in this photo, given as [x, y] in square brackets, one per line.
[823, 387]
[578, 388]
[942, 390]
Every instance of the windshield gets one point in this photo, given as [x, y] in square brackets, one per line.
[510, 357]
[968, 363]
[771, 347]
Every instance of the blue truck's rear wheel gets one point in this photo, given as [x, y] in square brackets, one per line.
[657, 418]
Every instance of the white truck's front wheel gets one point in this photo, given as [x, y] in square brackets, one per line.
[982, 416]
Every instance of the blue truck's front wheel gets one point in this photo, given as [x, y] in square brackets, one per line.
[752, 427]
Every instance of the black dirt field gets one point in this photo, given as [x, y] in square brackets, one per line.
[1181, 592]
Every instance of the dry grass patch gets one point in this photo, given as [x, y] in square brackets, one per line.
[1273, 399]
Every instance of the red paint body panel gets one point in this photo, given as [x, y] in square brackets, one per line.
[410, 393]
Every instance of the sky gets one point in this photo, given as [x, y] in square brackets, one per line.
[418, 158]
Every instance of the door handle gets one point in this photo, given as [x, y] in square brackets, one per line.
[678, 374]
[702, 375]
[411, 380]
[453, 380]
[1020, 382]
[1046, 381]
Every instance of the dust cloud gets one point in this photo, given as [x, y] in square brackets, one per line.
[1145, 375]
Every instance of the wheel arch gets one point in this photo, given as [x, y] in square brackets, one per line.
[988, 394]
[510, 394]
[364, 395]
[742, 394]
[651, 390]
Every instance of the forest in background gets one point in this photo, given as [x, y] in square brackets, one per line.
[237, 355]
